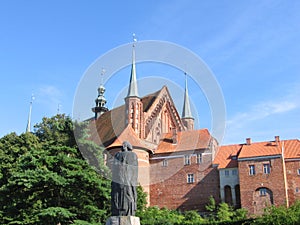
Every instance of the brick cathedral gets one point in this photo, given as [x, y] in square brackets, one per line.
[180, 167]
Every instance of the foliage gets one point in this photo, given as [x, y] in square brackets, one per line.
[225, 212]
[154, 215]
[44, 177]
[141, 199]
[280, 215]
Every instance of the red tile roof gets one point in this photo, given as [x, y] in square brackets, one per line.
[110, 125]
[186, 140]
[127, 135]
[225, 154]
[259, 149]
[291, 149]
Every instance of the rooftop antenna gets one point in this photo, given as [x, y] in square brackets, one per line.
[29, 115]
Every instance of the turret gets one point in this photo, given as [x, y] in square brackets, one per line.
[134, 105]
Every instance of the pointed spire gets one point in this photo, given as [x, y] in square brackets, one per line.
[28, 127]
[186, 112]
[133, 88]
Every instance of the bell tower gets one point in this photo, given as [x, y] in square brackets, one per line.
[134, 105]
[100, 101]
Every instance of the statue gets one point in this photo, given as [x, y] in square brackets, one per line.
[124, 182]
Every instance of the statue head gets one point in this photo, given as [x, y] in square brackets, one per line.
[126, 146]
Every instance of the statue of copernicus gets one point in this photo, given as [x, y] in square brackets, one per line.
[124, 182]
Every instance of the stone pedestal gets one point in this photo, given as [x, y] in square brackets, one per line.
[123, 220]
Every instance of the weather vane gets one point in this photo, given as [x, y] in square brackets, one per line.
[103, 71]
[134, 39]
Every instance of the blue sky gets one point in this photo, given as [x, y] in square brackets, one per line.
[252, 48]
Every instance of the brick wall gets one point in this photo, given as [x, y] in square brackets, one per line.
[250, 185]
[169, 184]
[293, 179]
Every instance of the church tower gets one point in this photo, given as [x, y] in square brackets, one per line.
[100, 101]
[187, 118]
[134, 105]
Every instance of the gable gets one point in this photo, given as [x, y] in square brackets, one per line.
[161, 115]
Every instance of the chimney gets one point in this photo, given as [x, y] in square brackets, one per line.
[277, 139]
[174, 135]
[248, 141]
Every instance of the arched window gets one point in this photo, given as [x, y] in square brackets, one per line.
[228, 194]
[237, 195]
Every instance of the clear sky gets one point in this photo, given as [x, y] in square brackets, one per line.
[252, 48]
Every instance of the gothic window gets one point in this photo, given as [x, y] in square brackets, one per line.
[266, 168]
[251, 170]
[190, 178]
[187, 160]
[199, 158]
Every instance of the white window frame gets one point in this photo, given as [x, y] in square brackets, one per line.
[199, 158]
[190, 178]
[262, 192]
[266, 168]
[187, 160]
[251, 170]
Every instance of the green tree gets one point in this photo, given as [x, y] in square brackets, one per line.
[225, 212]
[45, 179]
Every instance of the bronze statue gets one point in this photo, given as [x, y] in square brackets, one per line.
[124, 182]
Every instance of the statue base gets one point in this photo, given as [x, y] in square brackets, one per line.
[123, 220]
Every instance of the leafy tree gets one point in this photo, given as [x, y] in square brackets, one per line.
[45, 179]
[57, 130]
[225, 212]
[280, 215]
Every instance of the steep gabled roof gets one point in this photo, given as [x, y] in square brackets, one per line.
[110, 125]
[225, 156]
[186, 141]
[128, 134]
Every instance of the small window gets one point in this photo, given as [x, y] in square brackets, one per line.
[165, 163]
[262, 192]
[190, 178]
[199, 158]
[187, 160]
[251, 170]
[298, 171]
[226, 173]
[234, 157]
[234, 172]
[297, 190]
[267, 168]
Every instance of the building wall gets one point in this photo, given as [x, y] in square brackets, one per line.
[229, 178]
[293, 180]
[250, 185]
[169, 183]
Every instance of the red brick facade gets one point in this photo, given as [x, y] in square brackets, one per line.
[180, 168]
[253, 197]
[185, 187]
